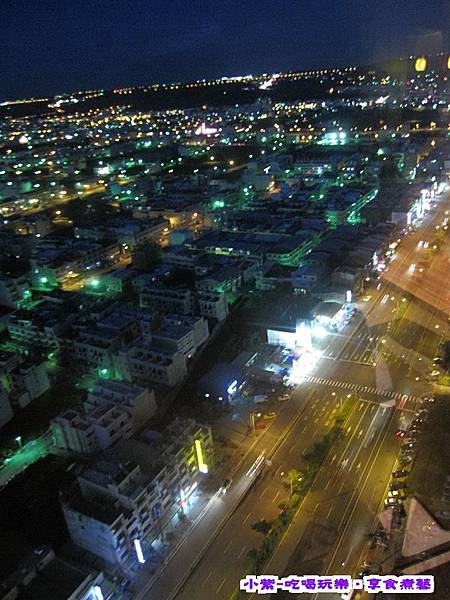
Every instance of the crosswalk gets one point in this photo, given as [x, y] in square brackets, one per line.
[355, 387]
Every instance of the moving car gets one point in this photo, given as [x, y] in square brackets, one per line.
[225, 485]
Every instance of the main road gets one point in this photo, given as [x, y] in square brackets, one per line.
[348, 491]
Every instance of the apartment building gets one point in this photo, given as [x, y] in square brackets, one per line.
[113, 411]
[142, 362]
[118, 504]
[167, 300]
[213, 305]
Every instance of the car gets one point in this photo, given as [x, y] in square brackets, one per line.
[409, 443]
[400, 433]
[225, 485]
[270, 415]
[405, 459]
[284, 397]
[400, 474]
[396, 494]
[397, 485]
[392, 501]
[405, 452]
[410, 440]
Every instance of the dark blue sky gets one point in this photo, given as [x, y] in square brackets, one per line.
[50, 46]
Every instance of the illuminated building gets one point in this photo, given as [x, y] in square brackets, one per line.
[421, 64]
[114, 504]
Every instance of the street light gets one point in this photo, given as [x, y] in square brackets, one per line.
[19, 441]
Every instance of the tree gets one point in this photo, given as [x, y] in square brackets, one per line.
[252, 554]
[262, 526]
[292, 479]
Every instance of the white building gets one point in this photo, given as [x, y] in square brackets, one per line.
[120, 501]
[14, 291]
[144, 363]
[213, 305]
[182, 333]
[114, 410]
[167, 300]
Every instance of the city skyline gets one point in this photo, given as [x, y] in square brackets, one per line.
[107, 45]
[225, 301]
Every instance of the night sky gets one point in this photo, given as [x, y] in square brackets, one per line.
[51, 46]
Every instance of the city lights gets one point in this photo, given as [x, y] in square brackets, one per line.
[138, 549]
[202, 466]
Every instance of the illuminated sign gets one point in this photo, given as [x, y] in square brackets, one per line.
[448, 62]
[202, 466]
[232, 387]
[138, 548]
[98, 592]
[203, 130]
[421, 64]
[348, 296]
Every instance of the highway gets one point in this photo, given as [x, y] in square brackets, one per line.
[329, 530]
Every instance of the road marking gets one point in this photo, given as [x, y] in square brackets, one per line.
[263, 492]
[358, 466]
[360, 433]
[276, 496]
[328, 483]
[220, 586]
[316, 507]
[329, 512]
[246, 518]
[333, 459]
[206, 578]
[315, 432]
[342, 485]
[228, 547]
[348, 556]
[241, 552]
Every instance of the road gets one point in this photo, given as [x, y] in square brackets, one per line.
[341, 507]
[23, 457]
